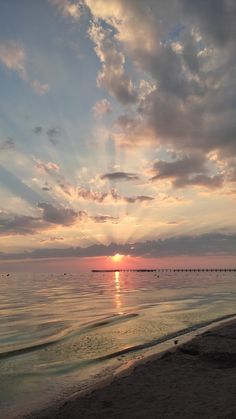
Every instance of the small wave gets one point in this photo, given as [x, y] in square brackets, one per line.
[25, 350]
[66, 334]
[32, 348]
[111, 320]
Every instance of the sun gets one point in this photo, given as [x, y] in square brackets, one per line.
[117, 257]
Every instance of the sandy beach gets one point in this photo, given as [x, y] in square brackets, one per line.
[194, 380]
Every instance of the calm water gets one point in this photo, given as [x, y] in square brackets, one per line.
[60, 333]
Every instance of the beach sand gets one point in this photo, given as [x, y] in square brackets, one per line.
[195, 380]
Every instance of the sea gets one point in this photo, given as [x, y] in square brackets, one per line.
[64, 333]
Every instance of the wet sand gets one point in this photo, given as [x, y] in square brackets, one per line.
[196, 380]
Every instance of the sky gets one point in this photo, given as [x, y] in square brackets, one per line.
[117, 134]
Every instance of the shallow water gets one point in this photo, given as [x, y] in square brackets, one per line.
[59, 333]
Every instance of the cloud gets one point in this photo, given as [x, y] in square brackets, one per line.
[90, 195]
[179, 168]
[102, 108]
[67, 216]
[68, 8]
[200, 245]
[46, 187]
[192, 65]
[52, 239]
[39, 88]
[129, 199]
[61, 216]
[210, 182]
[186, 171]
[116, 176]
[47, 167]
[215, 18]
[134, 22]
[7, 144]
[11, 224]
[231, 170]
[13, 56]
[51, 216]
[18, 224]
[38, 129]
[104, 197]
[138, 198]
[104, 219]
[53, 134]
[211, 244]
[112, 76]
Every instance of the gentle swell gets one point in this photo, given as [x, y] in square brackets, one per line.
[111, 320]
[67, 334]
[106, 322]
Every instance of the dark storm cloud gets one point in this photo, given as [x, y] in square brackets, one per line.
[201, 245]
[116, 176]
[7, 144]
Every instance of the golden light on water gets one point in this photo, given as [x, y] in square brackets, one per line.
[117, 281]
[117, 291]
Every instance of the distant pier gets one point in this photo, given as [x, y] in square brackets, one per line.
[124, 270]
[165, 270]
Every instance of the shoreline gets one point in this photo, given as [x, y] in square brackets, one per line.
[198, 348]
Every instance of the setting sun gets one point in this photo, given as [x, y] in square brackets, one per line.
[117, 257]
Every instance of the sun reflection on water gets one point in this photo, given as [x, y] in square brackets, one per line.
[117, 292]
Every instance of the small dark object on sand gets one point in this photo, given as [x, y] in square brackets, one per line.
[8, 274]
[176, 341]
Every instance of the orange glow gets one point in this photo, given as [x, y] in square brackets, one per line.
[117, 257]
